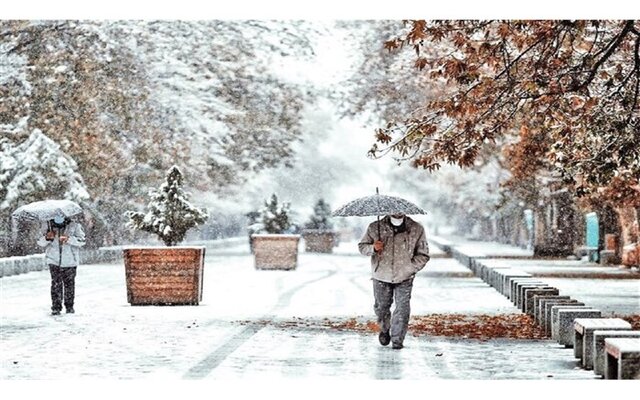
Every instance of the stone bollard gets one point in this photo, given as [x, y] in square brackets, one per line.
[552, 314]
[38, 262]
[513, 291]
[583, 336]
[529, 293]
[22, 265]
[508, 277]
[519, 301]
[479, 269]
[485, 273]
[542, 302]
[598, 346]
[516, 283]
[498, 278]
[531, 297]
[622, 358]
[565, 323]
[13, 269]
[31, 264]
[495, 277]
[6, 264]
[472, 266]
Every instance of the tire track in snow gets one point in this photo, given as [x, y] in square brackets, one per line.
[355, 281]
[213, 360]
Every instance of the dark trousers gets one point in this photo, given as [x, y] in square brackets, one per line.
[63, 281]
[385, 293]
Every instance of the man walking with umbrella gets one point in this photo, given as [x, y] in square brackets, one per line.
[398, 248]
[62, 239]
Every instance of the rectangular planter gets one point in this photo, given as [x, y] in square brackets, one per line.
[276, 251]
[631, 254]
[164, 275]
[318, 241]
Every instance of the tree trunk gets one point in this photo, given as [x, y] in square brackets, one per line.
[555, 227]
[610, 225]
[629, 226]
[540, 228]
[565, 223]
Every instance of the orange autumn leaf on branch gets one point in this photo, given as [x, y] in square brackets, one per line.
[576, 84]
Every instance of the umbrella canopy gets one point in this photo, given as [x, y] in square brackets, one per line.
[46, 210]
[377, 204]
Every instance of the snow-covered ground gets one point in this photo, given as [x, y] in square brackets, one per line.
[618, 294]
[223, 336]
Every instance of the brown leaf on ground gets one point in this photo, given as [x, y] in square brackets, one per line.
[484, 327]
[634, 320]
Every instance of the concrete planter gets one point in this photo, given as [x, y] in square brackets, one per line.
[631, 254]
[164, 275]
[318, 241]
[275, 251]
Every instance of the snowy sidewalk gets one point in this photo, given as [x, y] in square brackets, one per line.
[107, 338]
[614, 290]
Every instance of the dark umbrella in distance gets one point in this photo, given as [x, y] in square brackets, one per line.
[377, 205]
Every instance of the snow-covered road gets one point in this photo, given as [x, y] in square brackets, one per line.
[223, 336]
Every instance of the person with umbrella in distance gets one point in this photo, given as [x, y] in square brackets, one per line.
[398, 248]
[62, 239]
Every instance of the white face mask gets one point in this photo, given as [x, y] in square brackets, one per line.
[396, 221]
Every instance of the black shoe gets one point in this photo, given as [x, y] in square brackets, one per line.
[397, 346]
[384, 338]
[70, 310]
[55, 312]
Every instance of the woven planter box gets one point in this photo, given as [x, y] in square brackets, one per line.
[318, 241]
[164, 275]
[276, 251]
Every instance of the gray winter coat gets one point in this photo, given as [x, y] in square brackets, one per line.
[403, 255]
[63, 255]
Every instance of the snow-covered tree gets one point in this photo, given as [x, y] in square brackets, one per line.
[275, 217]
[169, 215]
[321, 218]
[15, 89]
[235, 114]
[37, 169]
[381, 82]
[106, 92]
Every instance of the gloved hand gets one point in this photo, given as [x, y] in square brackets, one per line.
[50, 235]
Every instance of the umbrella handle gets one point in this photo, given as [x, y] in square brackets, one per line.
[378, 201]
[378, 266]
[378, 216]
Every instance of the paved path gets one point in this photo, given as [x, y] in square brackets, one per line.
[223, 337]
